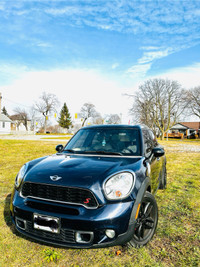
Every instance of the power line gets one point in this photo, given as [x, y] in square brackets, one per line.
[4, 98]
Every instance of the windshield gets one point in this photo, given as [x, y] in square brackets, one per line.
[118, 141]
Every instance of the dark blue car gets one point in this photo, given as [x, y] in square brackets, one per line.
[96, 191]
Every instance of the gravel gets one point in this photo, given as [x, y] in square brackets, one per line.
[33, 137]
[182, 148]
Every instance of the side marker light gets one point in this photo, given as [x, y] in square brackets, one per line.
[137, 212]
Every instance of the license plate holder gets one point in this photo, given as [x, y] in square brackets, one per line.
[46, 223]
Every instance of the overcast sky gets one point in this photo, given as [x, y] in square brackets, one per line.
[95, 51]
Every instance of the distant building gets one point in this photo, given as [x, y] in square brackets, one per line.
[189, 129]
[13, 124]
[5, 124]
[17, 124]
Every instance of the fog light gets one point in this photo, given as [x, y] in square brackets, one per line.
[84, 237]
[110, 233]
[20, 223]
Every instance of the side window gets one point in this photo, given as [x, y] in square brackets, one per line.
[153, 138]
[149, 141]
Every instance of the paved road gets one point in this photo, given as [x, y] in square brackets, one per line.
[34, 137]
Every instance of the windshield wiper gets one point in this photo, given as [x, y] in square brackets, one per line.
[103, 152]
[69, 150]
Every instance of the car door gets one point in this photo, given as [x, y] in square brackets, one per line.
[154, 164]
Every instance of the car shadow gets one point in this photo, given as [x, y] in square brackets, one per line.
[6, 212]
[7, 216]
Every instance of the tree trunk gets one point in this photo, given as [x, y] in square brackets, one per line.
[45, 124]
[162, 135]
[84, 121]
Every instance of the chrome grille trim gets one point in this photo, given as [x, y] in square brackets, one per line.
[56, 187]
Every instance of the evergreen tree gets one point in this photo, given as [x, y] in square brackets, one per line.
[65, 119]
[4, 111]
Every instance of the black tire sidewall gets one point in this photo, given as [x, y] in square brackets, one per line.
[148, 197]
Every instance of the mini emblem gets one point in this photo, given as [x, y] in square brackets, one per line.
[55, 178]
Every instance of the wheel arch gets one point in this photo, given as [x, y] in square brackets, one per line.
[144, 187]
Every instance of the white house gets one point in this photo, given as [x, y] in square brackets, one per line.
[5, 124]
[18, 124]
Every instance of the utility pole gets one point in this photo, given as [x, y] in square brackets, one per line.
[0, 102]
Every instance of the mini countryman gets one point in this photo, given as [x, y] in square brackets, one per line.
[97, 191]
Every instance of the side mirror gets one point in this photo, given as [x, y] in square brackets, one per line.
[158, 152]
[59, 148]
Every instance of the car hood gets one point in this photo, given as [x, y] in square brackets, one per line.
[79, 170]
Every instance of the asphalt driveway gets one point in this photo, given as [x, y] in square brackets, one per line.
[33, 137]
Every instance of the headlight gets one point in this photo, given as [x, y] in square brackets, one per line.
[20, 175]
[119, 186]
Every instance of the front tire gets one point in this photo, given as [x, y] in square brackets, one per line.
[146, 222]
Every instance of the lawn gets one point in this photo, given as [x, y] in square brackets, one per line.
[57, 138]
[177, 239]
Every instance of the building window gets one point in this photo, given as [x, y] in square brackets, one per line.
[3, 124]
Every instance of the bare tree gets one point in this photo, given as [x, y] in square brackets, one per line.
[21, 116]
[192, 101]
[98, 119]
[158, 104]
[47, 104]
[114, 119]
[33, 117]
[88, 111]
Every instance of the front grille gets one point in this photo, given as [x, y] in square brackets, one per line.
[59, 193]
[65, 235]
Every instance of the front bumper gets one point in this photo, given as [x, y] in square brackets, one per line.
[75, 222]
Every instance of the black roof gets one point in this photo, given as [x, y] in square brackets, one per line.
[113, 126]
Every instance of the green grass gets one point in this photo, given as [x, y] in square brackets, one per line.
[58, 134]
[177, 239]
[59, 138]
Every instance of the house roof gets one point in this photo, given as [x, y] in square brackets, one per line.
[17, 117]
[192, 125]
[179, 126]
[4, 118]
